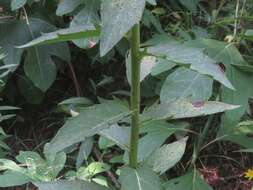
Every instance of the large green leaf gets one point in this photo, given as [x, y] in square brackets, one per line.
[167, 156]
[198, 61]
[191, 181]
[89, 122]
[38, 66]
[125, 15]
[139, 179]
[70, 185]
[184, 83]
[16, 33]
[67, 6]
[63, 35]
[242, 81]
[10, 179]
[186, 109]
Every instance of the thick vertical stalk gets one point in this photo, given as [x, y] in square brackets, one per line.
[135, 94]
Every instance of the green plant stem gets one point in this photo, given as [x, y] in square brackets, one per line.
[201, 139]
[135, 95]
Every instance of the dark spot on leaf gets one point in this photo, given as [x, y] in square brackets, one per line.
[198, 104]
[222, 67]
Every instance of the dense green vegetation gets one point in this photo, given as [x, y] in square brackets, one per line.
[126, 94]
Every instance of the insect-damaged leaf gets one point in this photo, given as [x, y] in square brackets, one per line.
[118, 17]
[233, 61]
[185, 109]
[90, 121]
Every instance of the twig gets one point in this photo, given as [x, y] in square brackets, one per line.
[77, 86]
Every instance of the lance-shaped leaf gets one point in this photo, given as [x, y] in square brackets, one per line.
[167, 156]
[63, 35]
[184, 83]
[198, 61]
[89, 122]
[139, 179]
[68, 185]
[191, 181]
[118, 17]
[186, 109]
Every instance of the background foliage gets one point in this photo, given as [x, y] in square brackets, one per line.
[66, 72]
